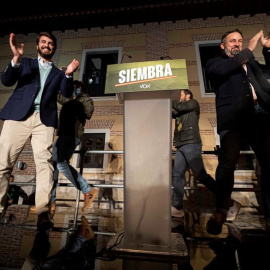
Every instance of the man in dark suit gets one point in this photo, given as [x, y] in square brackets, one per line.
[31, 112]
[241, 109]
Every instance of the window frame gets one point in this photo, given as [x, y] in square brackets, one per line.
[75, 161]
[86, 52]
[199, 65]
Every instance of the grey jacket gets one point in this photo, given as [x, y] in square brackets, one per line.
[186, 115]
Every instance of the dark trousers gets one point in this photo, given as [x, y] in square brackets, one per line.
[189, 155]
[257, 134]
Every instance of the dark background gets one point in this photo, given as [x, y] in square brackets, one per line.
[28, 17]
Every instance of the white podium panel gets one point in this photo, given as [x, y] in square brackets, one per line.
[147, 170]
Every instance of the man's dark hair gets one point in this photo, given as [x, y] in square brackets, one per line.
[188, 92]
[79, 84]
[223, 38]
[49, 35]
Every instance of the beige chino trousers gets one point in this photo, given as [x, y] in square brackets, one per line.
[13, 137]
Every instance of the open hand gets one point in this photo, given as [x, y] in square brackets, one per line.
[72, 67]
[16, 49]
[265, 41]
[254, 41]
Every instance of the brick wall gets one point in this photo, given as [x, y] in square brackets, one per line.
[11, 235]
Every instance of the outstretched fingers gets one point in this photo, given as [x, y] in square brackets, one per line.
[254, 41]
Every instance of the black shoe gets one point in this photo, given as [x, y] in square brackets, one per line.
[2, 214]
[267, 226]
[214, 224]
[41, 246]
[44, 221]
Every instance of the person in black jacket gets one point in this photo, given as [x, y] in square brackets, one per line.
[74, 113]
[187, 141]
[241, 107]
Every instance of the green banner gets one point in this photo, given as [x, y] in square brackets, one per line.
[146, 76]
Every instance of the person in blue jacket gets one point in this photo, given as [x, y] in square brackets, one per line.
[31, 113]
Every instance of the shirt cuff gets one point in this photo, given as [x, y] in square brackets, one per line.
[266, 49]
[15, 65]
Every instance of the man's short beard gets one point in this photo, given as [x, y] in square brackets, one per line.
[45, 56]
[234, 52]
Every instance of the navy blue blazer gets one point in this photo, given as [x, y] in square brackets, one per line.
[27, 77]
[234, 99]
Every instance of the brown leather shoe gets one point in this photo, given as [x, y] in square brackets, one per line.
[89, 198]
[52, 209]
[214, 224]
[86, 230]
[32, 209]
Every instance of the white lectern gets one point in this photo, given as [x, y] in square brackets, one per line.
[147, 170]
[148, 153]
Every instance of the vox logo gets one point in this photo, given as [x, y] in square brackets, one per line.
[145, 85]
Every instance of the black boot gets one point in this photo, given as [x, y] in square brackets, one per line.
[44, 221]
[41, 246]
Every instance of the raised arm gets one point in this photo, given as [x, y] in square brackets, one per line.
[72, 67]
[16, 49]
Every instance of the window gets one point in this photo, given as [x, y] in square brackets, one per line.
[206, 50]
[94, 69]
[95, 139]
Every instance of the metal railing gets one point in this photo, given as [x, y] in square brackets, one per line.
[84, 152]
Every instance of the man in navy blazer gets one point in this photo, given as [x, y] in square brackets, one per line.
[31, 112]
[242, 106]
[21, 101]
